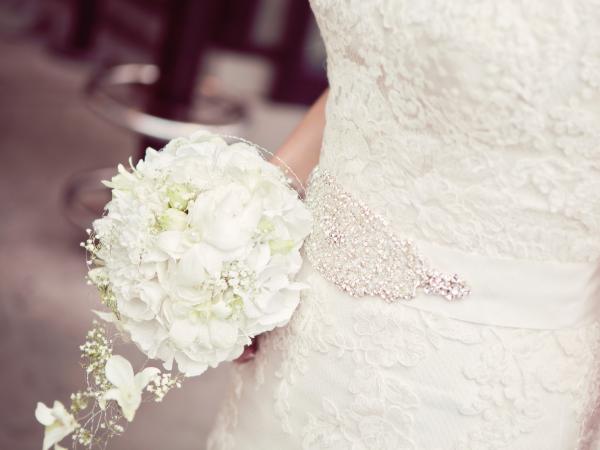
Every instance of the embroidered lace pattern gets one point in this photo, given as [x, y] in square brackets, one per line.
[502, 387]
[469, 123]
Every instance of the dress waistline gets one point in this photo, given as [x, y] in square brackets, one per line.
[356, 249]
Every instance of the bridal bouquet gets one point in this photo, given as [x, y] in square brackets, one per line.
[196, 254]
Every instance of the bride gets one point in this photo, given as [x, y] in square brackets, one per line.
[453, 299]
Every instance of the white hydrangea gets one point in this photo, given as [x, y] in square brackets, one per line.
[198, 250]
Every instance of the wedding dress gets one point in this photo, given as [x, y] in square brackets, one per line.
[462, 137]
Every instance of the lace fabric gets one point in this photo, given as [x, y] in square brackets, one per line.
[379, 376]
[474, 124]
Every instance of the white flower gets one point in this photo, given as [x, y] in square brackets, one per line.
[58, 421]
[141, 302]
[127, 390]
[228, 216]
[173, 242]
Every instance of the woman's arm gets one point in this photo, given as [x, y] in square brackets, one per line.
[300, 152]
[302, 148]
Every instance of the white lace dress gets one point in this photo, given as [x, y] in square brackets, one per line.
[471, 127]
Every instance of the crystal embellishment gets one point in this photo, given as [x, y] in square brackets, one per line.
[353, 247]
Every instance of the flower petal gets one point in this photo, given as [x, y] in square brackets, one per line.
[130, 405]
[183, 333]
[43, 414]
[198, 260]
[58, 421]
[119, 371]
[188, 366]
[111, 394]
[172, 242]
[223, 334]
[143, 378]
[128, 399]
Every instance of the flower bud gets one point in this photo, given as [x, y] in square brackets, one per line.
[265, 225]
[179, 196]
[173, 219]
[281, 245]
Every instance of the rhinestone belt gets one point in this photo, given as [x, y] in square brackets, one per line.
[353, 247]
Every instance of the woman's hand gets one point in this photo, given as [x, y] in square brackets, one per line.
[249, 352]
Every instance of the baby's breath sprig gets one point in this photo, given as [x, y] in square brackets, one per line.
[95, 352]
[97, 275]
[97, 418]
[91, 245]
[80, 400]
[162, 384]
[94, 425]
[99, 278]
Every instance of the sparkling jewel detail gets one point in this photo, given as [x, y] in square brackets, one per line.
[353, 247]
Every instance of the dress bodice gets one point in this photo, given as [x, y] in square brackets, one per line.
[471, 123]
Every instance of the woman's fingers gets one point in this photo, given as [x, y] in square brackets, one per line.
[249, 352]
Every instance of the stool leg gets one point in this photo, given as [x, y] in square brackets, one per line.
[82, 33]
[188, 29]
[78, 35]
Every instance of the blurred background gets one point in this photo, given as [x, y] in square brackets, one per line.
[84, 84]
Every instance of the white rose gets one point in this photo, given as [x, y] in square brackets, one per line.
[174, 243]
[144, 301]
[227, 216]
[199, 263]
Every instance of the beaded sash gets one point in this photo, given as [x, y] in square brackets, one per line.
[353, 247]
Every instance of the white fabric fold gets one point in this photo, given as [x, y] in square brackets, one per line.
[514, 292]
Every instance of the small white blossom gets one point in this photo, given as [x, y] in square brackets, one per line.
[161, 384]
[127, 388]
[58, 421]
